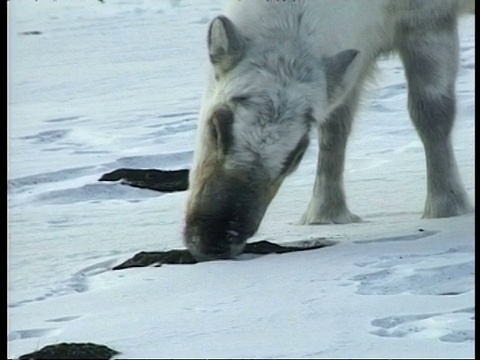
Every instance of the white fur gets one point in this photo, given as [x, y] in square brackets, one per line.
[283, 69]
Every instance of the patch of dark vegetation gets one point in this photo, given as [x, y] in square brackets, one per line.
[183, 256]
[450, 293]
[34, 32]
[153, 179]
[71, 351]
[177, 180]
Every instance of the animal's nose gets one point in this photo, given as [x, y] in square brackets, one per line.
[205, 245]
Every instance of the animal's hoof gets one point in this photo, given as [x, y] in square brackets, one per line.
[345, 217]
[442, 208]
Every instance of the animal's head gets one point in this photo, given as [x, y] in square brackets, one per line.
[253, 131]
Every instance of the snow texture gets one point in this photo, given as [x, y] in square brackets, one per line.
[97, 86]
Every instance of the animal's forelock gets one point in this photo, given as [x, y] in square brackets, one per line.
[275, 82]
[272, 107]
[267, 127]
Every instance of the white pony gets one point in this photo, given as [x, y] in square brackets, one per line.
[280, 68]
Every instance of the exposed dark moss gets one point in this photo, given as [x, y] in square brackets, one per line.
[153, 179]
[71, 351]
[177, 180]
[34, 32]
[147, 258]
[182, 256]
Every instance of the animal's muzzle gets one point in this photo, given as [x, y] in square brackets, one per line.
[221, 219]
[210, 240]
[221, 235]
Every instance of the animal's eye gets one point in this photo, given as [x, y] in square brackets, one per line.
[240, 98]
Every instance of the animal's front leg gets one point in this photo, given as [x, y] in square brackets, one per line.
[431, 61]
[328, 204]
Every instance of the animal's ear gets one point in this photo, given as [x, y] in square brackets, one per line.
[226, 45]
[222, 128]
[336, 68]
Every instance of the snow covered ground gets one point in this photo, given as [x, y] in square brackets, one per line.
[118, 84]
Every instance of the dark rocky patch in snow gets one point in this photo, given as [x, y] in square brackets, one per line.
[71, 351]
[153, 179]
[182, 256]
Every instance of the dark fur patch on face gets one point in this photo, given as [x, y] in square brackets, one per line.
[222, 129]
[293, 158]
